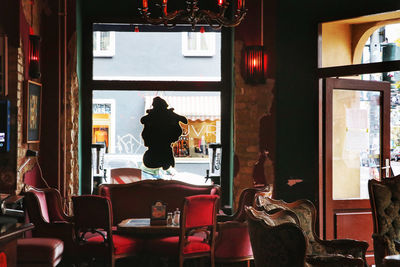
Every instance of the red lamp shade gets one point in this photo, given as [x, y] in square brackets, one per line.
[34, 57]
[255, 64]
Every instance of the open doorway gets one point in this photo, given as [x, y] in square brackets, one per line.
[359, 118]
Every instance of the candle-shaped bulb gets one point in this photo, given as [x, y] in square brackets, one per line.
[144, 4]
[165, 6]
[220, 2]
[240, 4]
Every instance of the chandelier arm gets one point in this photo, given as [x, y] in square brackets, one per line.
[192, 14]
[232, 23]
[211, 23]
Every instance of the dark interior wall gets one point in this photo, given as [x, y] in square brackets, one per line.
[294, 33]
[297, 86]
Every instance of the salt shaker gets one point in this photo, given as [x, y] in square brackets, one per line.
[177, 214]
[169, 218]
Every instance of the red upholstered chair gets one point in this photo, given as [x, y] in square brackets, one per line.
[44, 209]
[95, 240]
[197, 233]
[233, 241]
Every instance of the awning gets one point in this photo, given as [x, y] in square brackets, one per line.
[192, 107]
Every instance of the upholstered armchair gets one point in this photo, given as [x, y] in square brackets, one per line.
[385, 205]
[233, 241]
[44, 210]
[348, 252]
[276, 239]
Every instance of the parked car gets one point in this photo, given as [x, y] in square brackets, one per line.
[395, 154]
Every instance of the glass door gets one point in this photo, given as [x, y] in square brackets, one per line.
[357, 148]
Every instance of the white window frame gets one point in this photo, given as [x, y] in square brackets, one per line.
[210, 39]
[105, 53]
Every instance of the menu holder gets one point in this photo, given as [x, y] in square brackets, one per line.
[158, 213]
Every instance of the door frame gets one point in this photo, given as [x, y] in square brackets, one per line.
[362, 205]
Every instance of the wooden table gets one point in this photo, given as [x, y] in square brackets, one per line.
[142, 227]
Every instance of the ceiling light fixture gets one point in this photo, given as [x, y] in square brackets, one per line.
[194, 13]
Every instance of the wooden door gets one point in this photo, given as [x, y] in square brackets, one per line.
[357, 144]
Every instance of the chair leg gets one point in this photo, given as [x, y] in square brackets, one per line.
[180, 261]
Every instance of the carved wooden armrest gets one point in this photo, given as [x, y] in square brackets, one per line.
[334, 260]
[352, 247]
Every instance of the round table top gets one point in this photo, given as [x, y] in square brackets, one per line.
[143, 227]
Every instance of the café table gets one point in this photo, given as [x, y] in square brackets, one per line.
[143, 227]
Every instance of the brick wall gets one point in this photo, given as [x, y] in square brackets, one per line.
[252, 103]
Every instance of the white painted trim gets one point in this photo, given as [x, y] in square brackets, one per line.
[106, 53]
[159, 78]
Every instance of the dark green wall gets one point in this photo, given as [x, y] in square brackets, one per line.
[297, 86]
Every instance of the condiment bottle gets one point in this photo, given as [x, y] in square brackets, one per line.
[177, 214]
[169, 218]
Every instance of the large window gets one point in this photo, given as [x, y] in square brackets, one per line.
[179, 55]
[149, 61]
[116, 124]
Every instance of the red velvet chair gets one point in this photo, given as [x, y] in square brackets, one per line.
[44, 209]
[233, 241]
[197, 233]
[95, 240]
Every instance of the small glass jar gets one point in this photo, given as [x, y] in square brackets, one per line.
[177, 215]
[169, 218]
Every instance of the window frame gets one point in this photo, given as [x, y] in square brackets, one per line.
[225, 86]
[104, 53]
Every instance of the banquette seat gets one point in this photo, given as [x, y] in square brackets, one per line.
[134, 200]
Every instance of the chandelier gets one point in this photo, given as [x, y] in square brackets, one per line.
[192, 14]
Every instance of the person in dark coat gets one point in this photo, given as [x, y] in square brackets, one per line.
[161, 129]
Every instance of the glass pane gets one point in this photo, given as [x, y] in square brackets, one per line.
[104, 41]
[95, 41]
[394, 79]
[159, 56]
[383, 45]
[344, 43]
[356, 142]
[116, 124]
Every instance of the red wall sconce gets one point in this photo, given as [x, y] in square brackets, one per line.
[255, 64]
[34, 56]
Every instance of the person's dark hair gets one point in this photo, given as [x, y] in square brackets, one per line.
[159, 103]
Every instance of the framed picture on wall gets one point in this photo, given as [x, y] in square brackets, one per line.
[3, 65]
[33, 106]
